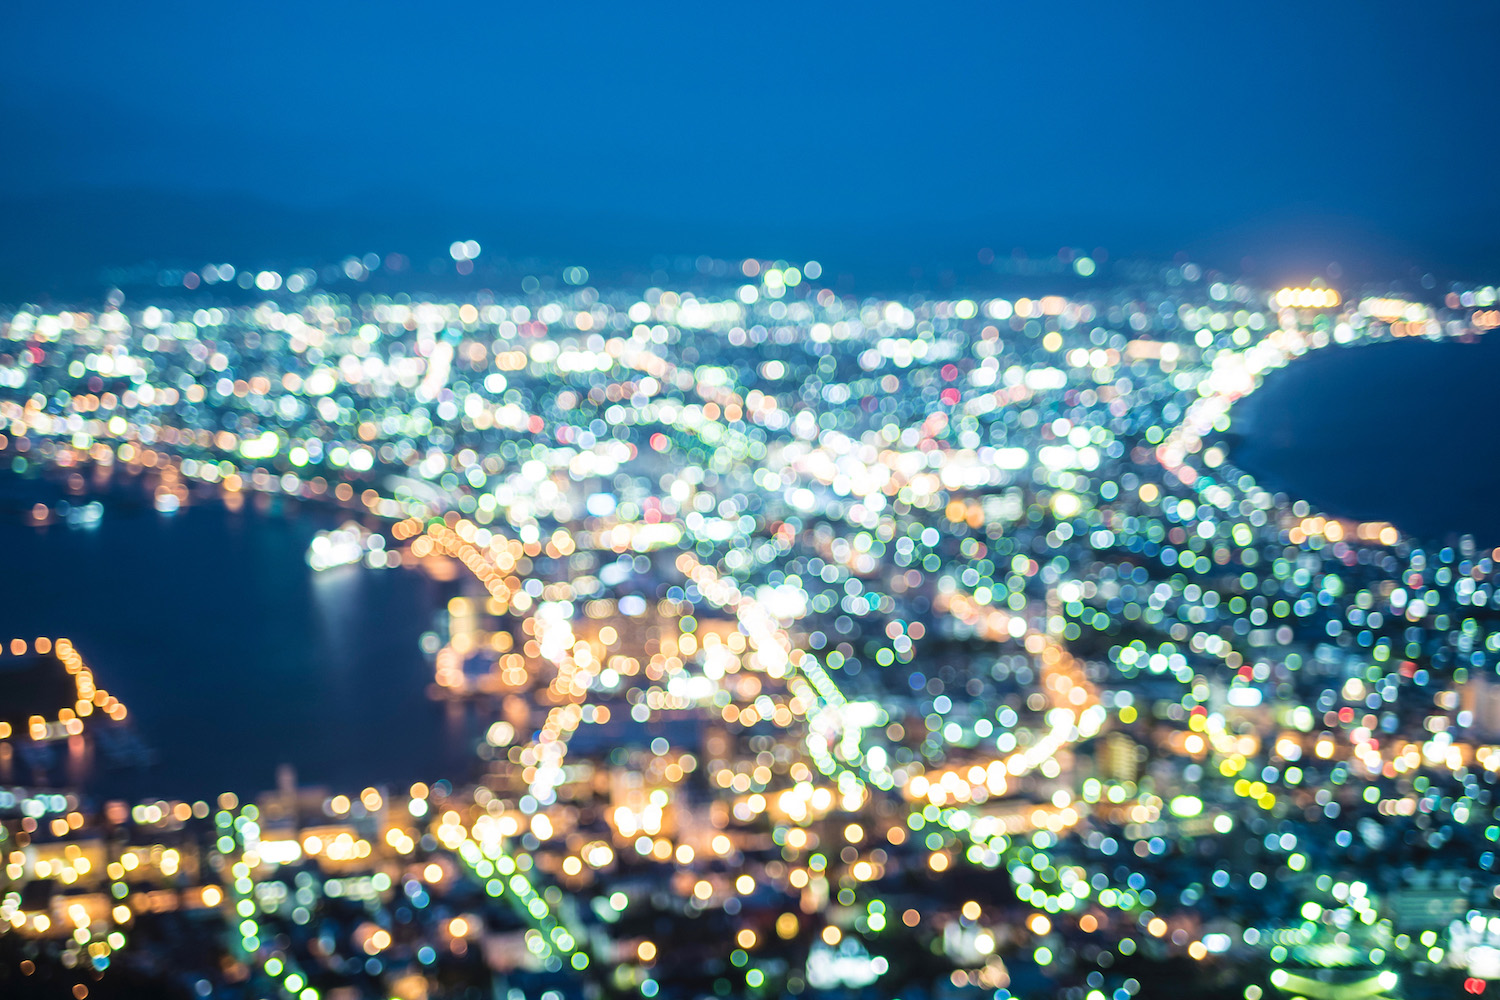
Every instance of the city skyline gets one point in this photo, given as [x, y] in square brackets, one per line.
[861, 644]
[698, 503]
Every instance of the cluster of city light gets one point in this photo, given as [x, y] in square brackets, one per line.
[88, 697]
[1042, 472]
[1307, 298]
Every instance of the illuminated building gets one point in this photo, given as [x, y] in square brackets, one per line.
[1119, 758]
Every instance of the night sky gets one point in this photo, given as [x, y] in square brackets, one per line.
[1270, 136]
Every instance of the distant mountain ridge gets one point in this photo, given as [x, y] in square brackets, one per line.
[60, 244]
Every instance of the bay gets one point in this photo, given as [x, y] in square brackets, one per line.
[230, 653]
[1402, 431]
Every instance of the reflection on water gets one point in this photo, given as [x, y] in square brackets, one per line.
[1401, 432]
[232, 655]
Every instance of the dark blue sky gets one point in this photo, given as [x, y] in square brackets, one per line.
[1262, 129]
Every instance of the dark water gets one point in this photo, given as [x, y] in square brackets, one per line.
[230, 654]
[1406, 432]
